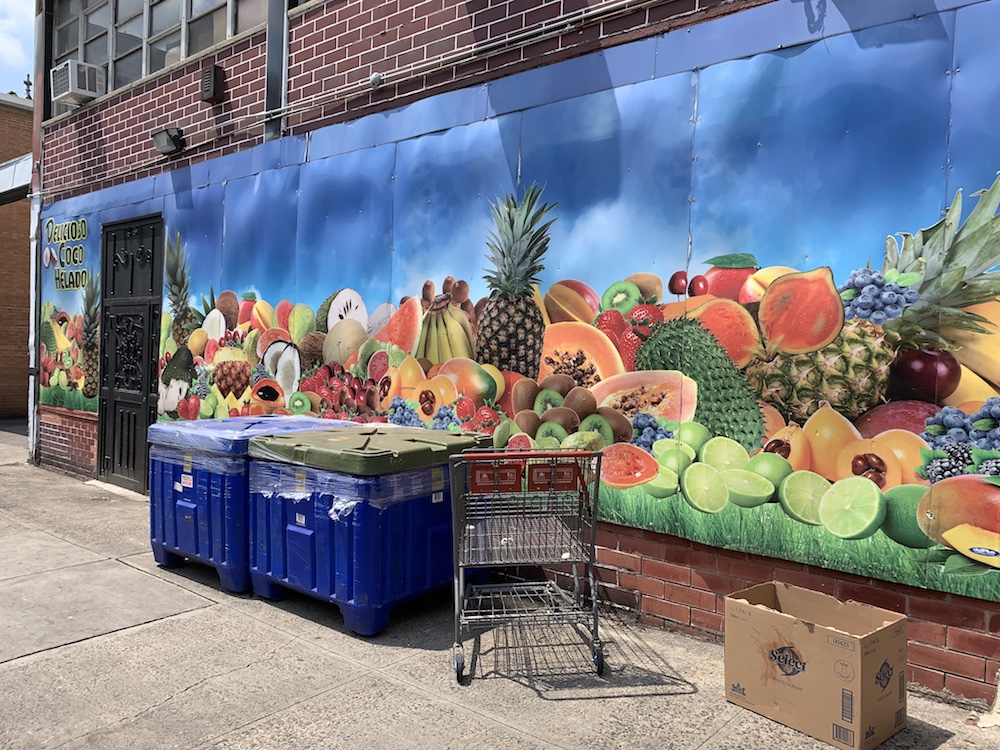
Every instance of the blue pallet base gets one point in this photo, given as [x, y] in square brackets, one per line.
[361, 620]
[234, 580]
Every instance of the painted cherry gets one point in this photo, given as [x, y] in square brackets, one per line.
[678, 282]
[698, 286]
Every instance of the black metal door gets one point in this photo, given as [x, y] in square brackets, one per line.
[130, 332]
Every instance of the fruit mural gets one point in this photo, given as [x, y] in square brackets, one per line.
[745, 398]
[70, 316]
[771, 358]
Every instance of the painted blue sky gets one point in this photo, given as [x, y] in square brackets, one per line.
[806, 156]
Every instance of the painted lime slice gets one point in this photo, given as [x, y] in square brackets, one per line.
[799, 494]
[724, 453]
[663, 484]
[746, 489]
[900, 523]
[771, 466]
[704, 488]
[694, 434]
[676, 460]
[663, 445]
[852, 508]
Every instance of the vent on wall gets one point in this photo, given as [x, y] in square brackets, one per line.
[211, 84]
[75, 82]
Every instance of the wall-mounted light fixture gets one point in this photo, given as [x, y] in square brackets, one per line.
[168, 141]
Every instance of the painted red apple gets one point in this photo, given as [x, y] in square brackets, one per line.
[907, 415]
[925, 374]
[590, 296]
[729, 273]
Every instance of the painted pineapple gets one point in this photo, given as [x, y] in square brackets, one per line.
[89, 357]
[851, 373]
[952, 265]
[177, 283]
[511, 328]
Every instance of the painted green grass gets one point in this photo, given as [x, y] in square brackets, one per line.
[767, 531]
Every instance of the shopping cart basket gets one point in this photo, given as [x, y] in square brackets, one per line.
[524, 508]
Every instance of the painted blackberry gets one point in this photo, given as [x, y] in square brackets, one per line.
[990, 466]
[943, 468]
[259, 373]
[200, 387]
[960, 452]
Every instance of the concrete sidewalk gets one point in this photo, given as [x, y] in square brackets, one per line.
[100, 648]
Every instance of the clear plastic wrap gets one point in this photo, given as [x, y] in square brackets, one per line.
[269, 479]
[195, 460]
[232, 436]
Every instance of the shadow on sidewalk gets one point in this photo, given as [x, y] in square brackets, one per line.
[555, 660]
[14, 425]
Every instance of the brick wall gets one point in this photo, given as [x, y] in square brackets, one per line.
[15, 227]
[67, 441]
[15, 307]
[335, 48]
[332, 45]
[682, 585]
[110, 143]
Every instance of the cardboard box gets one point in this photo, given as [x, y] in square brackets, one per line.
[834, 670]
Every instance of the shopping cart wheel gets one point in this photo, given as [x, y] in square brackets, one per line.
[599, 660]
[459, 665]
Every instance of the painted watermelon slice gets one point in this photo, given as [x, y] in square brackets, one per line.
[624, 465]
[403, 328]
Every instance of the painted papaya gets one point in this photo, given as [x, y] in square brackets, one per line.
[662, 393]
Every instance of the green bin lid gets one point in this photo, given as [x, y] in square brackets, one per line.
[367, 451]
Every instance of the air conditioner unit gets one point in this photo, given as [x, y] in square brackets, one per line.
[75, 82]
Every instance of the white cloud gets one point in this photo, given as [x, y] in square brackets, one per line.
[17, 24]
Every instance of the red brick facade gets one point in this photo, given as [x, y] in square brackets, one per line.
[15, 229]
[682, 585]
[69, 440]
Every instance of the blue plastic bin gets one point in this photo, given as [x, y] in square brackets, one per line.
[365, 542]
[199, 490]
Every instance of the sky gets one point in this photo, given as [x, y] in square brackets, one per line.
[16, 44]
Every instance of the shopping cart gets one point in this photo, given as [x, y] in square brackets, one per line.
[524, 508]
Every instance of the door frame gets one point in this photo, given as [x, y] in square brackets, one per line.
[151, 300]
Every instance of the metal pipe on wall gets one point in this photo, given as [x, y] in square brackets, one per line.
[523, 38]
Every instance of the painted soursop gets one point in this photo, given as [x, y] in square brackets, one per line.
[726, 404]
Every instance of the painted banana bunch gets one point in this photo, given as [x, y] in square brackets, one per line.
[446, 332]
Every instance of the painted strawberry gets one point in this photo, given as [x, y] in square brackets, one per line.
[188, 408]
[465, 409]
[630, 342]
[486, 419]
[646, 314]
[612, 323]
